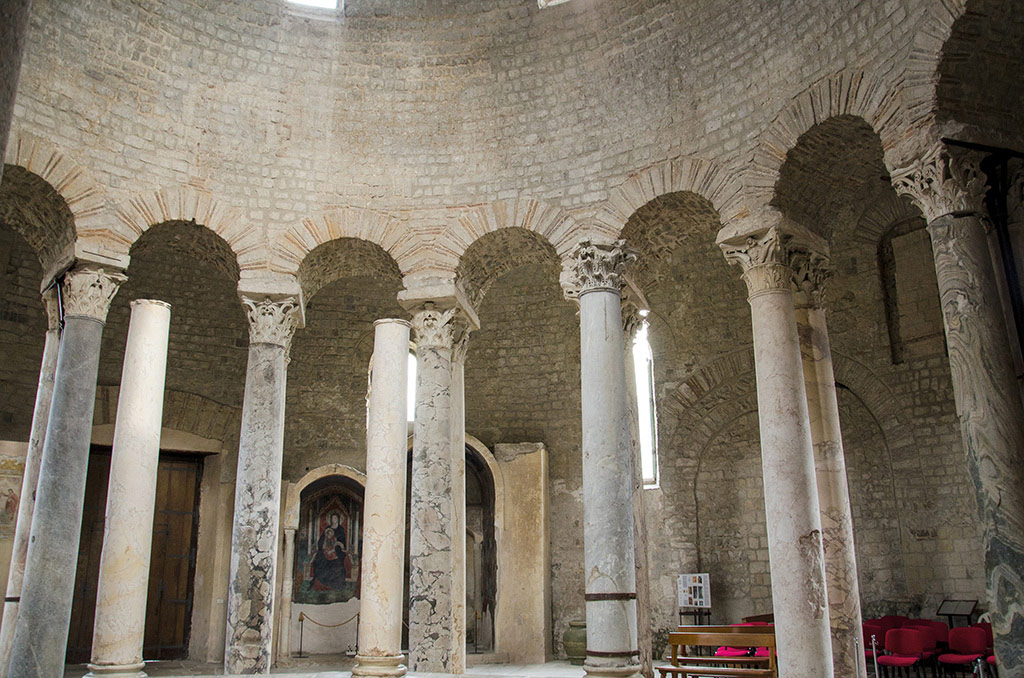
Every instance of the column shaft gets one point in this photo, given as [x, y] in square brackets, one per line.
[380, 608]
[30, 479]
[123, 585]
[431, 537]
[991, 418]
[607, 489]
[41, 635]
[833, 495]
[284, 645]
[458, 457]
[254, 537]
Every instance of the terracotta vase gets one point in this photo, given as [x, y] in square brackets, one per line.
[575, 642]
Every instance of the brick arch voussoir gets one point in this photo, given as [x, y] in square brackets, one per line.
[290, 248]
[849, 92]
[716, 184]
[187, 203]
[84, 196]
[548, 221]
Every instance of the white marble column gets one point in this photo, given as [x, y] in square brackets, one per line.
[254, 538]
[830, 466]
[949, 191]
[610, 579]
[632, 322]
[380, 606]
[433, 630]
[123, 584]
[41, 633]
[33, 457]
[787, 460]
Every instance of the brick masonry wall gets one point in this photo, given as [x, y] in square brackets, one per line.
[22, 331]
[522, 385]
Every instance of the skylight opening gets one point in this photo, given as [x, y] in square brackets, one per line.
[319, 4]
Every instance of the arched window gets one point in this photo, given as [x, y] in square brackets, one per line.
[643, 366]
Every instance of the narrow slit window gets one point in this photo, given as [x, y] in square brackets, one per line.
[643, 366]
[410, 391]
[319, 4]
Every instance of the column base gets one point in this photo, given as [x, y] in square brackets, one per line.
[612, 671]
[116, 670]
[379, 666]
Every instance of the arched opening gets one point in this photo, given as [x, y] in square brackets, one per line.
[326, 572]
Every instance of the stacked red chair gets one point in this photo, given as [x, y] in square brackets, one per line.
[876, 631]
[966, 647]
[904, 648]
[989, 640]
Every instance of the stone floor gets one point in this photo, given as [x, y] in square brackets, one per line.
[340, 666]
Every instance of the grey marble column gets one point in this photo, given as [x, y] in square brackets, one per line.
[380, 606]
[610, 580]
[787, 460]
[41, 634]
[841, 582]
[254, 538]
[123, 584]
[460, 345]
[949, 191]
[632, 322]
[432, 539]
[33, 457]
[13, 29]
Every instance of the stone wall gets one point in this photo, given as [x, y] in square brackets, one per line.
[325, 411]
[22, 330]
[522, 385]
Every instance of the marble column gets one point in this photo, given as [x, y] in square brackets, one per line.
[380, 607]
[460, 345]
[949, 191]
[13, 28]
[830, 469]
[33, 457]
[41, 633]
[284, 636]
[632, 322]
[123, 582]
[432, 540]
[254, 537]
[787, 459]
[610, 577]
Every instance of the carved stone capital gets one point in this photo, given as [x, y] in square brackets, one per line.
[601, 267]
[434, 328]
[764, 260]
[811, 275]
[460, 343]
[271, 321]
[940, 183]
[52, 304]
[632, 321]
[88, 290]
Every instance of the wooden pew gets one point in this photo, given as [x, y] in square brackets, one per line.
[686, 665]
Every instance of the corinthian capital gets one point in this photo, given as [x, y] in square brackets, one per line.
[52, 304]
[88, 291]
[271, 321]
[764, 260]
[811, 274]
[940, 183]
[597, 267]
[434, 328]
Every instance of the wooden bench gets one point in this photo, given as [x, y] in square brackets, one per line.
[685, 665]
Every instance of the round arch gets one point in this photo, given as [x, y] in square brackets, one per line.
[290, 519]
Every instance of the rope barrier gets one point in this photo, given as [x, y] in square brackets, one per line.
[303, 615]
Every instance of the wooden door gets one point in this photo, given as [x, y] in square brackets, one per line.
[172, 568]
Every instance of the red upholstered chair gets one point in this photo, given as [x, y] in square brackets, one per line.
[966, 646]
[941, 633]
[904, 647]
[738, 651]
[989, 640]
[927, 631]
